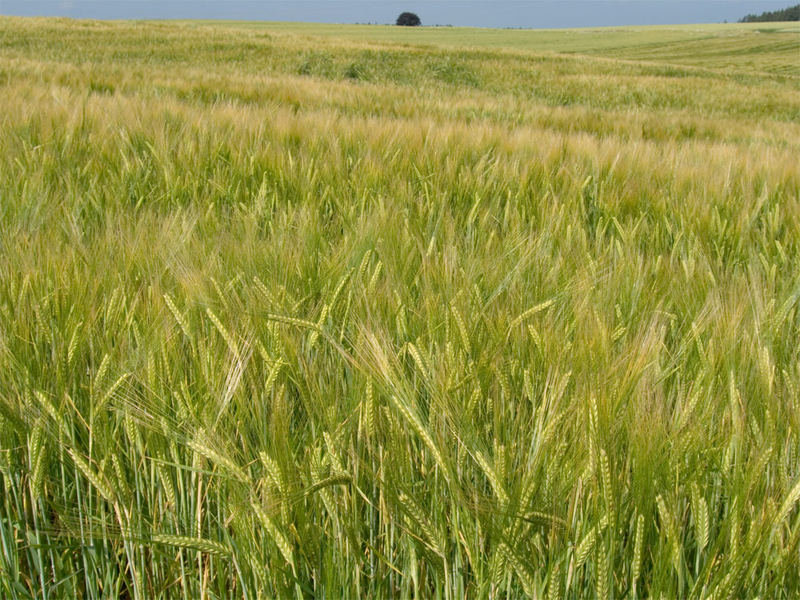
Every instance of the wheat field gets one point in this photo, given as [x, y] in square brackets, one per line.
[293, 311]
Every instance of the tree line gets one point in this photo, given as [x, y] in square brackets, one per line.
[787, 14]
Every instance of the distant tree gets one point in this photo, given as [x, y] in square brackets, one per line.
[787, 14]
[408, 19]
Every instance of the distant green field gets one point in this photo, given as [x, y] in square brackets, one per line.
[770, 46]
[313, 311]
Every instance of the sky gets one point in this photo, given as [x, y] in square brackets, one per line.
[475, 13]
